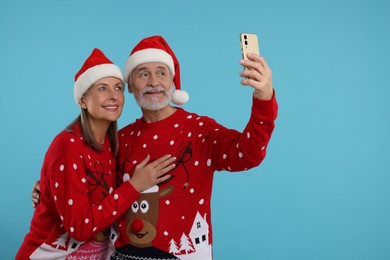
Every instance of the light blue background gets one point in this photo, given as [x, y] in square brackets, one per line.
[323, 190]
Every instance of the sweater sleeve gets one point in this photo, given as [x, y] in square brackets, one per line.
[81, 218]
[235, 151]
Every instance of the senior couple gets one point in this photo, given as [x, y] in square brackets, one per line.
[143, 192]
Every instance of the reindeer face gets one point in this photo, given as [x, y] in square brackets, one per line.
[141, 218]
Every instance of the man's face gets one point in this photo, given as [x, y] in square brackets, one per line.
[152, 86]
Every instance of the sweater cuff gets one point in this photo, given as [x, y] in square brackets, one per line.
[127, 191]
[265, 110]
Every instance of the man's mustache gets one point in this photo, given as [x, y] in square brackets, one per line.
[152, 90]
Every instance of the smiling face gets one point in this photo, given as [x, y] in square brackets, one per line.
[141, 220]
[142, 217]
[104, 100]
[152, 86]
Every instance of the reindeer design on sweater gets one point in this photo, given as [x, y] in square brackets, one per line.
[141, 220]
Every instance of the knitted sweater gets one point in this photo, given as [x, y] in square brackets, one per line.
[176, 216]
[78, 199]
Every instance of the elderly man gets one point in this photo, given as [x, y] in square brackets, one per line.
[173, 220]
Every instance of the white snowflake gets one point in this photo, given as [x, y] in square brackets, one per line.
[208, 162]
[126, 177]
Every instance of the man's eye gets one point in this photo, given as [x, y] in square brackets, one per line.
[143, 74]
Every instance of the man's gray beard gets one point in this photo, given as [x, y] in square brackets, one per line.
[154, 104]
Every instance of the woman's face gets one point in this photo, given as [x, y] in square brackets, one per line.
[104, 100]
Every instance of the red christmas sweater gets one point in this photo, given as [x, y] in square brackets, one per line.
[173, 221]
[78, 198]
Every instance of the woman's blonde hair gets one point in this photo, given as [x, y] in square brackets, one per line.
[87, 134]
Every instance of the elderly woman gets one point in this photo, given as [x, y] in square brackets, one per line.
[79, 195]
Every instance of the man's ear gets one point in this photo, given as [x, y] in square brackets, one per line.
[130, 88]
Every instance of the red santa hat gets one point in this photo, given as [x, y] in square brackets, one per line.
[96, 67]
[156, 49]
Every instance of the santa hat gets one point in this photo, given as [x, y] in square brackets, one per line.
[156, 49]
[96, 67]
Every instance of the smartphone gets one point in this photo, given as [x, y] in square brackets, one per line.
[249, 44]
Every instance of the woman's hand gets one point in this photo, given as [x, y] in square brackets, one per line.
[147, 175]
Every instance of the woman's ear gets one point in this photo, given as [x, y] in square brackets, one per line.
[82, 103]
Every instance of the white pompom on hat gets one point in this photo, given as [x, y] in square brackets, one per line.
[156, 49]
[95, 67]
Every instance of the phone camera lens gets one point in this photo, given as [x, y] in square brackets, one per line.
[246, 43]
[245, 37]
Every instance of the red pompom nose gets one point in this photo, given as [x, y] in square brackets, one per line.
[137, 225]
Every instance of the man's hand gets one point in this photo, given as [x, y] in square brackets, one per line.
[259, 76]
[35, 194]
